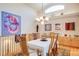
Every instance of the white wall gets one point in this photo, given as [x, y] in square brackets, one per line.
[27, 15]
[62, 21]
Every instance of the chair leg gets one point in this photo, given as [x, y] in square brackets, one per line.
[39, 52]
[54, 52]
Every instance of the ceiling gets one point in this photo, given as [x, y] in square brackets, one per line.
[69, 8]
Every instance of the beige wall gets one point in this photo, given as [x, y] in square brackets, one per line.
[62, 21]
[27, 14]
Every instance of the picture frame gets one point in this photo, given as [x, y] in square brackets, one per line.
[11, 23]
[70, 26]
[48, 27]
[57, 26]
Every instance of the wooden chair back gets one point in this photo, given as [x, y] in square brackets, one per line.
[69, 43]
[35, 36]
[75, 46]
[53, 45]
[52, 35]
[64, 48]
[23, 44]
[64, 40]
[30, 37]
[75, 42]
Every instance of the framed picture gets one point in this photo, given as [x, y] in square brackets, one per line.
[70, 26]
[57, 26]
[48, 27]
[11, 23]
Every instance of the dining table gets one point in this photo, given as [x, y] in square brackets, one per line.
[42, 44]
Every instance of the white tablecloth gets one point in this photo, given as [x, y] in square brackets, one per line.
[37, 44]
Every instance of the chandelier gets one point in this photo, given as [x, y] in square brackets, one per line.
[42, 19]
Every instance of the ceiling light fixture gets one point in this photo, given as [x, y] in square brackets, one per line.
[54, 8]
[43, 18]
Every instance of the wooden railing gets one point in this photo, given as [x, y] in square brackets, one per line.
[8, 45]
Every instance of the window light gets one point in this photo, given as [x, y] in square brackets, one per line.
[54, 8]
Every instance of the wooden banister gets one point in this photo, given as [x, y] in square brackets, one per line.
[7, 45]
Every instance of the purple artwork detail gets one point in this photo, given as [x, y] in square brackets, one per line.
[11, 24]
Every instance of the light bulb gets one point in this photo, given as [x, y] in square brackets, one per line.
[37, 19]
[42, 22]
[41, 17]
[46, 18]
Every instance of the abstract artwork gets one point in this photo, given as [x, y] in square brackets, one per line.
[48, 27]
[70, 26]
[11, 23]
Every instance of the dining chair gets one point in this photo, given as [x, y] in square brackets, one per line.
[25, 51]
[75, 45]
[44, 36]
[77, 38]
[64, 40]
[53, 45]
[35, 36]
[30, 36]
[52, 35]
[23, 45]
[64, 43]
[75, 41]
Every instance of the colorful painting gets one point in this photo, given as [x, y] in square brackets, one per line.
[70, 26]
[11, 24]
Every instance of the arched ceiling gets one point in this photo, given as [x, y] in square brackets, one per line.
[68, 8]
